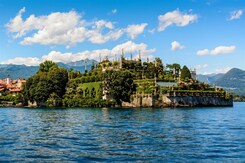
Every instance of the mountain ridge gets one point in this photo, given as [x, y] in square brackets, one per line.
[23, 71]
[232, 81]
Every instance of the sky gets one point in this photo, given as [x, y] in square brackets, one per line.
[207, 35]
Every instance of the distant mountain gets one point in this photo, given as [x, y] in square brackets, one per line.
[78, 68]
[209, 79]
[24, 72]
[17, 71]
[233, 80]
[83, 62]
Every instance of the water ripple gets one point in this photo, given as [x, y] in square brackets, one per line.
[130, 135]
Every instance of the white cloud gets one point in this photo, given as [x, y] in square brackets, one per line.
[223, 50]
[56, 56]
[201, 66]
[29, 61]
[131, 47]
[175, 17]
[223, 70]
[66, 28]
[176, 46]
[55, 23]
[98, 38]
[135, 29]
[102, 23]
[152, 31]
[203, 52]
[218, 50]
[114, 11]
[235, 14]
[217, 71]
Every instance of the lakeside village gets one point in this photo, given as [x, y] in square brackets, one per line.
[10, 91]
[119, 82]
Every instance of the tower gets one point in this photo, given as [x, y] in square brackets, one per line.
[121, 60]
[139, 56]
[193, 74]
[122, 53]
[8, 80]
[85, 65]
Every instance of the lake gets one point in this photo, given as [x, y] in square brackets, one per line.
[110, 135]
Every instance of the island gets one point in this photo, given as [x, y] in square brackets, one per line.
[115, 82]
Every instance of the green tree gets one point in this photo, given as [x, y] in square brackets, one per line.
[149, 70]
[73, 74]
[119, 85]
[93, 66]
[173, 68]
[159, 67]
[86, 93]
[58, 78]
[50, 79]
[185, 73]
[54, 100]
[45, 66]
[93, 93]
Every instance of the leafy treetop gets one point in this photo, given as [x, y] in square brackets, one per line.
[119, 84]
[46, 66]
[185, 73]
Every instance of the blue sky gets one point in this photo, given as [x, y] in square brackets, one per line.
[207, 35]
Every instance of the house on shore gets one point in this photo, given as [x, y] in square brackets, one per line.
[12, 86]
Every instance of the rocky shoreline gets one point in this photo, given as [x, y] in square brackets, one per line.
[167, 100]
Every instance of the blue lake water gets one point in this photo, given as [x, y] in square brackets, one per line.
[110, 135]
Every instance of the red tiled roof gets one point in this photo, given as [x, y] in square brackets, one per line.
[2, 82]
[11, 86]
[15, 90]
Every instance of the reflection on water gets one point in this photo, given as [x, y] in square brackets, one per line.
[173, 135]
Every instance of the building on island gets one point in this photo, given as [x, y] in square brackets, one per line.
[193, 74]
[12, 86]
[120, 63]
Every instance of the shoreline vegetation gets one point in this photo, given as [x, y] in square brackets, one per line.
[117, 83]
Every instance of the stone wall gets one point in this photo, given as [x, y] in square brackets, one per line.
[140, 101]
[35, 104]
[176, 101]
[32, 104]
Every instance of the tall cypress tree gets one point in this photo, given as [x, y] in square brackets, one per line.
[185, 73]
